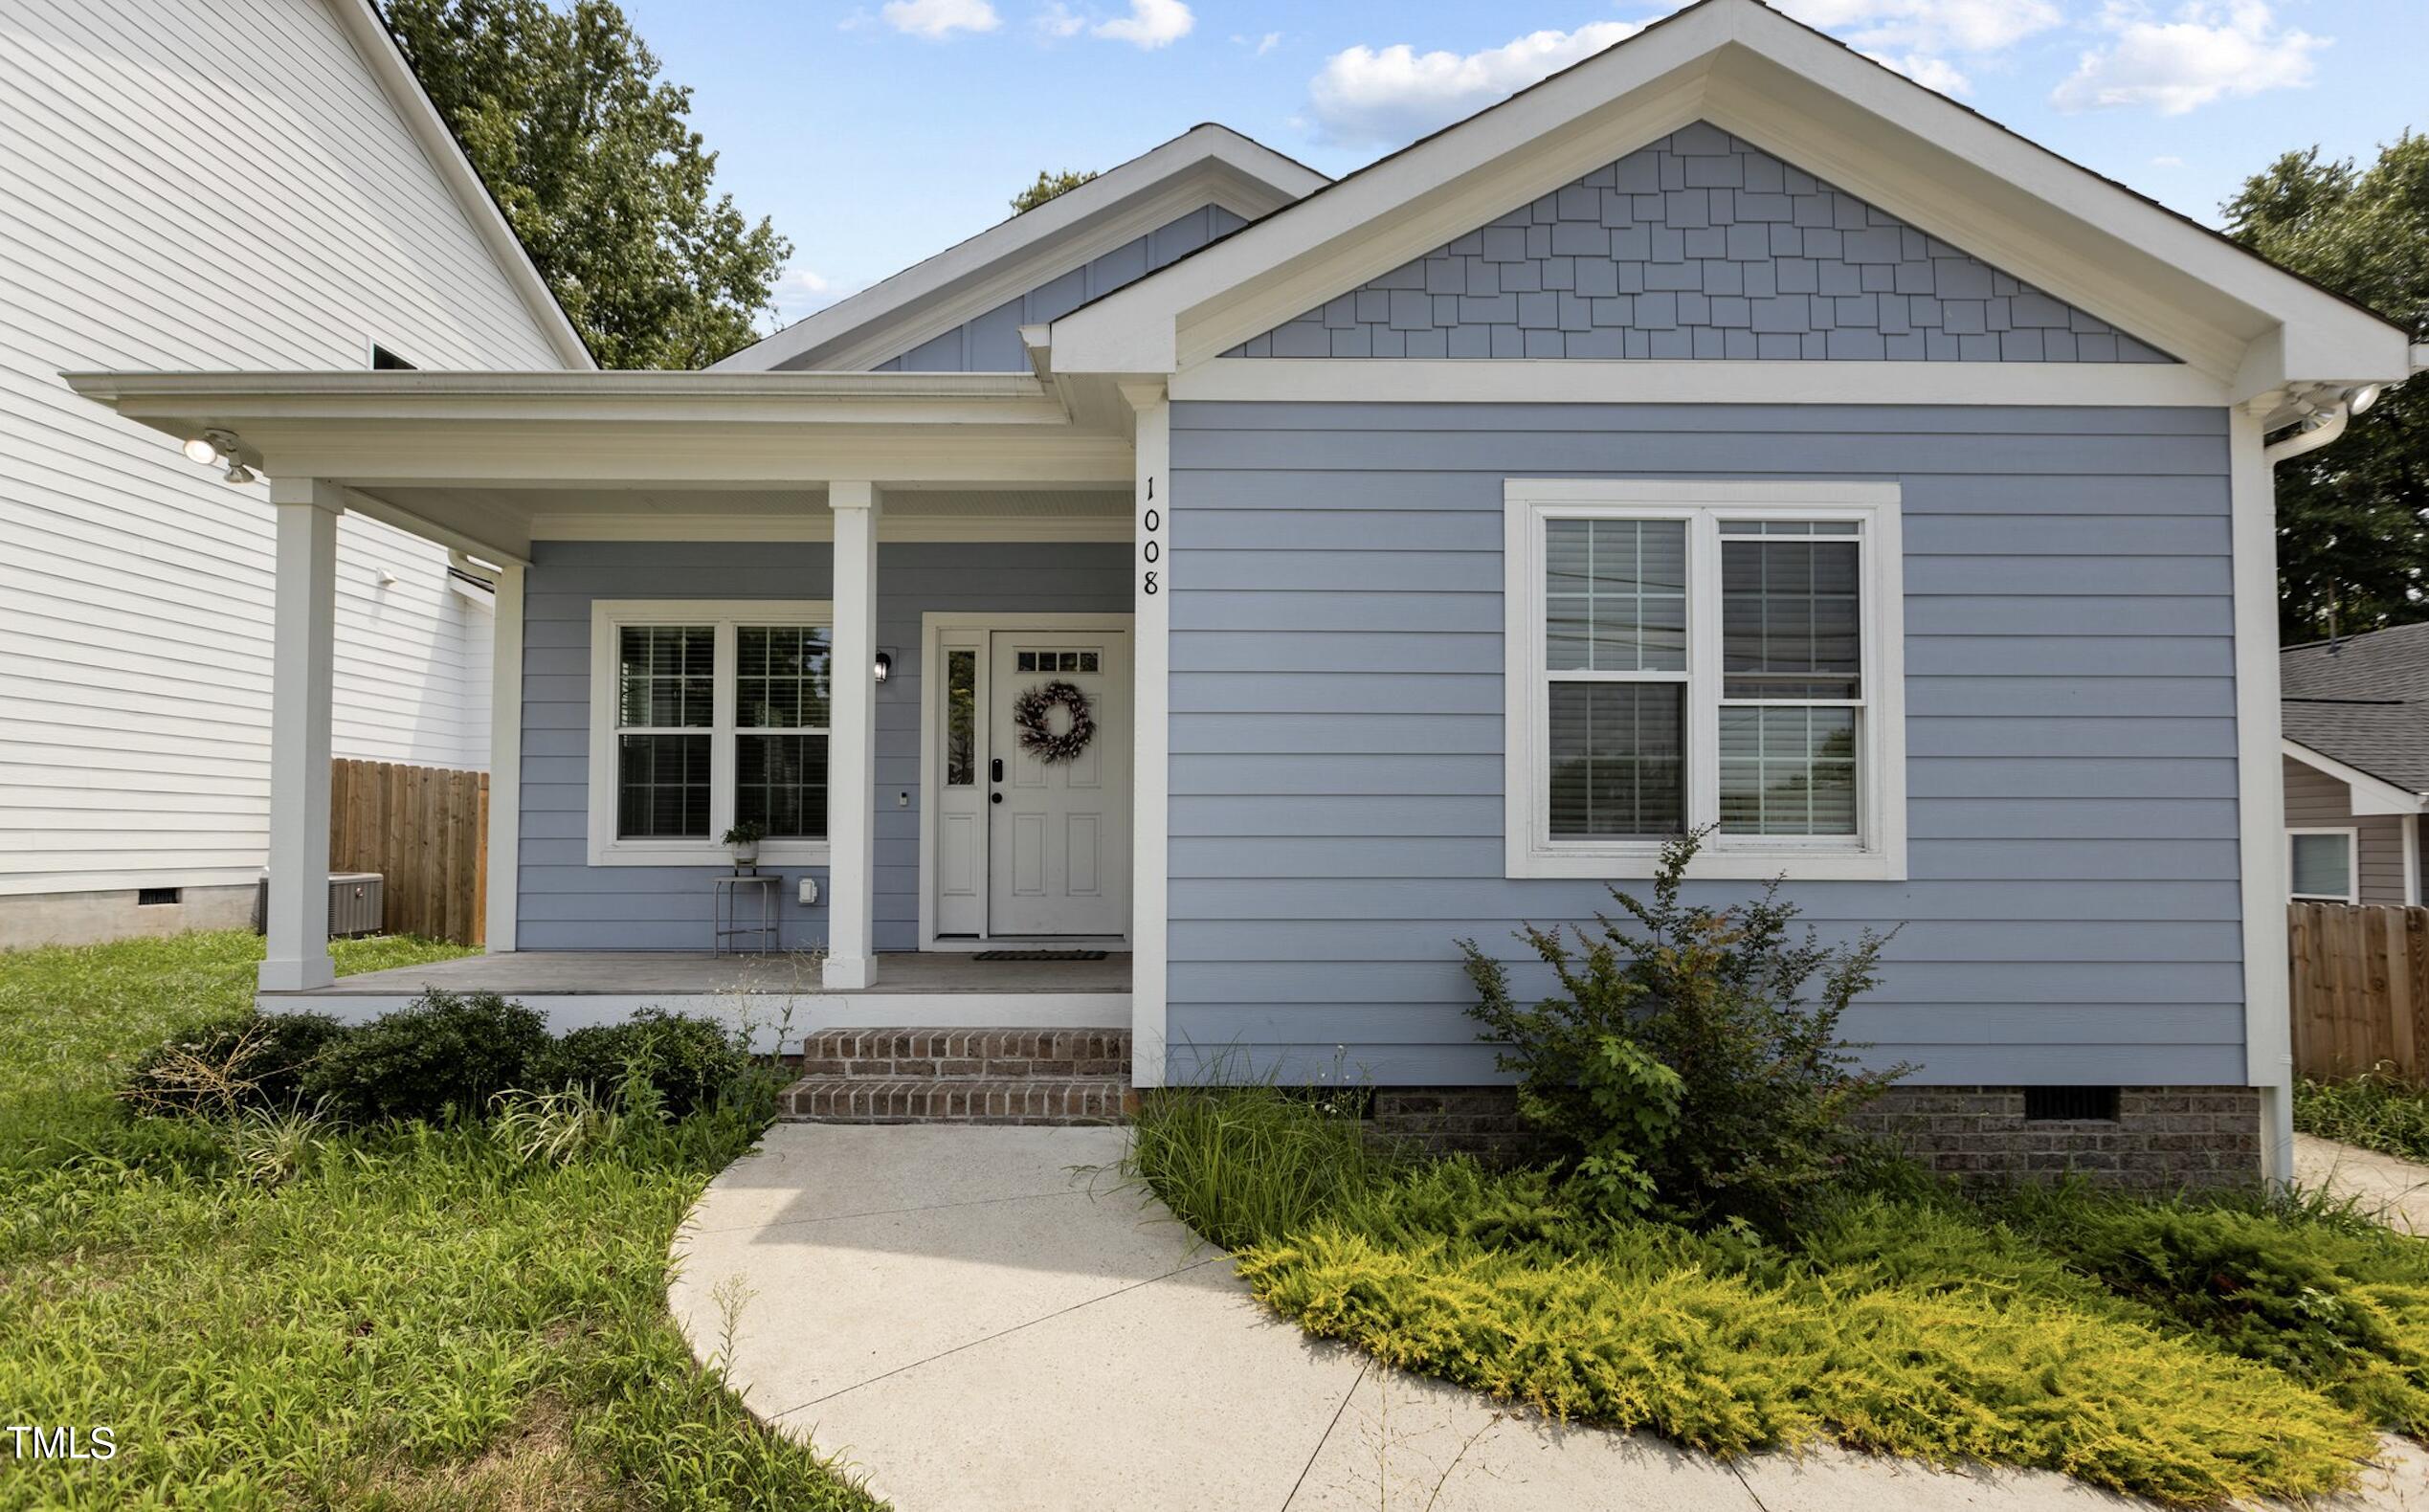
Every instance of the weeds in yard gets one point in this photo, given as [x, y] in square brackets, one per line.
[1912, 1319]
[2378, 1111]
[405, 1315]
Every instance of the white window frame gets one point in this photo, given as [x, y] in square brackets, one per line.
[1878, 850]
[726, 617]
[2352, 863]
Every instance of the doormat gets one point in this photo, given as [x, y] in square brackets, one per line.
[1040, 955]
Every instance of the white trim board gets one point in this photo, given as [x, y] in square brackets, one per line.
[1151, 752]
[819, 524]
[935, 626]
[2369, 794]
[1585, 381]
[505, 761]
[810, 1011]
[2261, 862]
[1878, 851]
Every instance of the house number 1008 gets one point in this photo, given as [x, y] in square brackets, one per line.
[1151, 551]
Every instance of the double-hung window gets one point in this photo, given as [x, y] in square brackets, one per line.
[705, 715]
[1704, 655]
[2322, 865]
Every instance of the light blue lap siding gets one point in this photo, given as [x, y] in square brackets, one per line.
[1705, 247]
[1337, 692]
[991, 343]
[564, 902]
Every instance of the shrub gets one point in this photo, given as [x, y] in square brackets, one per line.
[251, 1062]
[2343, 1310]
[691, 1060]
[446, 1050]
[1679, 1070]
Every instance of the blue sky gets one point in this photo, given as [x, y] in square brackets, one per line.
[875, 134]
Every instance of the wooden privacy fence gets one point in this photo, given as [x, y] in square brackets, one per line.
[2360, 988]
[426, 830]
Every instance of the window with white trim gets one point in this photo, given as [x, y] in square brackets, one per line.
[2321, 862]
[1702, 655]
[705, 716]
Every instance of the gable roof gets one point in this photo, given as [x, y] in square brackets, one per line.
[2362, 701]
[378, 48]
[1206, 164]
[1802, 96]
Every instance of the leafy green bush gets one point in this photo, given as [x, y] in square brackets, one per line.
[1679, 1070]
[2376, 1111]
[445, 1052]
[692, 1060]
[246, 1063]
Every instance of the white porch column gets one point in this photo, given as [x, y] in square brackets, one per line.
[301, 677]
[505, 758]
[1151, 695]
[852, 742]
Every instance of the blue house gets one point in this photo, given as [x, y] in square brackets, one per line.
[1237, 586]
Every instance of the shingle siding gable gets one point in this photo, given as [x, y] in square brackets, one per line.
[1700, 247]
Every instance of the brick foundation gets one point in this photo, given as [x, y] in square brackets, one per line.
[2163, 1138]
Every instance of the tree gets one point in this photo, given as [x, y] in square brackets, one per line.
[1047, 187]
[598, 172]
[2351, 542]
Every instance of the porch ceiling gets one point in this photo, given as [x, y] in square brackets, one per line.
[492, 461]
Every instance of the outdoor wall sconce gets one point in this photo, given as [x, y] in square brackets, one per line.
[214, 447]
[884, 665]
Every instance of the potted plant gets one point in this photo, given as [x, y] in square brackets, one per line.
[743, 839]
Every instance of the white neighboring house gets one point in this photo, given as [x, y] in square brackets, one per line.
[259, 184]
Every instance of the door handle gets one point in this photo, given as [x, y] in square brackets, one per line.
[995, 797]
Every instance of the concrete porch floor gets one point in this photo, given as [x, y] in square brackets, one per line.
[621, 973]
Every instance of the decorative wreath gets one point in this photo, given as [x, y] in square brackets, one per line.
[1031, 712]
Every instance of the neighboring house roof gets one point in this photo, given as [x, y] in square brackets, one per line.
[1756, 73]
[2362, 701]
[1207, 164]
[369, 32]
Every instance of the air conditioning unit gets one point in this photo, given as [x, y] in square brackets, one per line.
[358, 902]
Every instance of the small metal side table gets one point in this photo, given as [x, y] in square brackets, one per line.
[730, 929]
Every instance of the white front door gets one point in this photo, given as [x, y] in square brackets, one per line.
[1058, 831]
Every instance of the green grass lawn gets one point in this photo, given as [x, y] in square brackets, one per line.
[2197, 1353]
[415, 1318]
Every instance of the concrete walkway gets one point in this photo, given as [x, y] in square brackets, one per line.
[957, 1315]
[2397, 1192]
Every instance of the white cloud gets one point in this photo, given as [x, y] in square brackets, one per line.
[1150, 24]
[1931, 73]
[2212, 49]
[1929, 26]
[1263, 44]
[1057, 20]
[1395, 93]
[938, 19]
[808, 279]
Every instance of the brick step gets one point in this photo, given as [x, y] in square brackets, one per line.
[996, 1055]
[1024, 1099]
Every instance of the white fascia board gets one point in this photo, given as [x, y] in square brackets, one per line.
[2367, 795]
[378, 50]
[1384, 380]
[1208, 164]
[1818, 103]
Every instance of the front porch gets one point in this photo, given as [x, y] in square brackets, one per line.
[808, 607]
[940, 989]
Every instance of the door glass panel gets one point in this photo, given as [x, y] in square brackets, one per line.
[961, 718]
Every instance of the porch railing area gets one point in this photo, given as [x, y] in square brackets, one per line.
[2359, 993]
